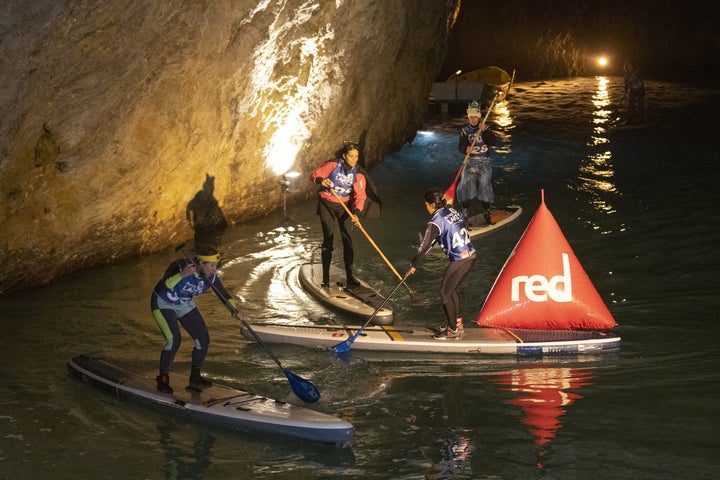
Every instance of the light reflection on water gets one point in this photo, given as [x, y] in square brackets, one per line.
[644, 229]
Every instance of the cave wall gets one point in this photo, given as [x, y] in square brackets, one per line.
[121, 118]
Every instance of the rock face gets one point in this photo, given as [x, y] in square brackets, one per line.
[126, 124]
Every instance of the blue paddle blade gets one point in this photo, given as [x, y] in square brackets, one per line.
[304, 389]
[342, 347]
[345, 346]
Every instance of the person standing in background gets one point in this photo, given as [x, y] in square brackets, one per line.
[476, 178]
[635, 91]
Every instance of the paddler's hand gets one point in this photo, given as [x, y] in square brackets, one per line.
[188, 270]
[410, 271]
[239, 315]
[483, 127]
[355, 219]
[327, 183]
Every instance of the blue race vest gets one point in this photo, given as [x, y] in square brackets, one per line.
[454, 237]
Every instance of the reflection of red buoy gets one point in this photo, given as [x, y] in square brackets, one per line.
[543, 286]
[543, 396]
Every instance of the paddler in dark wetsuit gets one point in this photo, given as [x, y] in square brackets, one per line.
[352, 185]
[447, 227]
[172, 305]
[635, 90]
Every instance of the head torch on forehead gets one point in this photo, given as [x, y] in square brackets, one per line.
[351, 146]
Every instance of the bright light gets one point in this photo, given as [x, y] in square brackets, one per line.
[290, 104]
[602, 61]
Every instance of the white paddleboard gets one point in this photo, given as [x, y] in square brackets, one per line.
[521, 342]
[498, 217]
[361, 301]
[217, 405]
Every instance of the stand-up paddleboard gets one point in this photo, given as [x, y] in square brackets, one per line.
[420, 339]
[498, 218]
[361, 301]
[623, 125]
[217, 405]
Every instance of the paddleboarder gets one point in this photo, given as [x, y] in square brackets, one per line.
[476, 178]
[342, 179]
[172, 305]
[635, 91]
[447, 227]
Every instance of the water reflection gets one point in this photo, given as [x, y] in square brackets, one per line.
[544, 393]
[504, 123]
[455, 454]
[596, 175]
[601, 114]
[181, 462]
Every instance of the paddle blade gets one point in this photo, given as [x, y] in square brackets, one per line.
[304, 389]
[449, 194]
[345, 346]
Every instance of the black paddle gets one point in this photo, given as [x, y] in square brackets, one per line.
[347, 344]
[304, 389]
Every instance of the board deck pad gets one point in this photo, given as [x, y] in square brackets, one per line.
[498, 217]
[420, 339]
[217, 405]
[361, 301]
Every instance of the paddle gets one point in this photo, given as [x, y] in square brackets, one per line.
[347, 344]
[413, 296]
[449, 194]
[304, 389]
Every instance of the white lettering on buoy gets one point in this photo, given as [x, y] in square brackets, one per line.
[537, 287]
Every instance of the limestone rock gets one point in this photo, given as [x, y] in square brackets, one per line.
[116, 115]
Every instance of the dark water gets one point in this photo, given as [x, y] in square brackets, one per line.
[640, 210]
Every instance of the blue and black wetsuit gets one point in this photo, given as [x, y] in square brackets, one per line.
[172, 305]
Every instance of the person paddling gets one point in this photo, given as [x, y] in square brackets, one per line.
[635, 91]
[172, 305]
[447, 227]
[342, 179]
[476, 178]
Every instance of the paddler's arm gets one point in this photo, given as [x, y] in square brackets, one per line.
[220, 290]
[176, 272]
[431, 233]
[489, 137]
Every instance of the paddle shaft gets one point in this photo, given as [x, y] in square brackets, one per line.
[345, 346]
[387, 299]
[372, 242]
[467, 155]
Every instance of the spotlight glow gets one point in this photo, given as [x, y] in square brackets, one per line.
[293, 81]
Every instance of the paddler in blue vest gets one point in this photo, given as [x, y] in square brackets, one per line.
[172, 305]
[448, 228]
[353, 186]
[476, 178]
